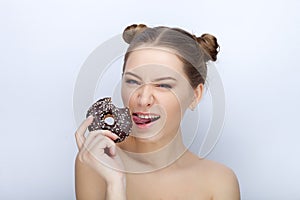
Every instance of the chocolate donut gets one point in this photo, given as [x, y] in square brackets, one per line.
[102, 110]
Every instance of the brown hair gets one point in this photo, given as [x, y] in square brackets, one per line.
[193, 51]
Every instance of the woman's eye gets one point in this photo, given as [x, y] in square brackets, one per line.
[131, 81]
[167, 86]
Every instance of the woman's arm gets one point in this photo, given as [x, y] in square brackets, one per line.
[95, 174]
[88, 184]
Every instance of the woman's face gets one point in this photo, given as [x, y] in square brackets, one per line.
[157, 91]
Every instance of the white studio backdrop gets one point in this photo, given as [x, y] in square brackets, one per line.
[43, 45]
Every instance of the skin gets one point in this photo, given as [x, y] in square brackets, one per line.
[165, 169]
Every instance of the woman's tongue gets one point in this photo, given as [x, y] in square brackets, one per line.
[139, 120]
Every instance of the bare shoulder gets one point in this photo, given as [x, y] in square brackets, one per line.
[216, 170]
[222, 180]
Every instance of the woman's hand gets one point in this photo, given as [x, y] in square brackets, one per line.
[98, 151]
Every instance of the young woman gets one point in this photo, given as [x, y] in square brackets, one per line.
[164, 73]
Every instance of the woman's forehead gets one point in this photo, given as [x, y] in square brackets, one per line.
[152, 72]
[155, 57]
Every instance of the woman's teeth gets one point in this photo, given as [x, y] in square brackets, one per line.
[144, 118]
[152, 117]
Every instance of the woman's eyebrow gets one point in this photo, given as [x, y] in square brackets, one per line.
[165, 78]
[132, 74]
[157, 79]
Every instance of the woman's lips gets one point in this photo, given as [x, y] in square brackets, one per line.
[142, 119]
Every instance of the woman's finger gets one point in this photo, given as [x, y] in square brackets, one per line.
[104, 151]
[110, 134]
[105, 133]
[99, 141]
[79, 135]
[96, 146]
[91, 137]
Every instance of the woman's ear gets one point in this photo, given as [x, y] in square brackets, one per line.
[198, 91]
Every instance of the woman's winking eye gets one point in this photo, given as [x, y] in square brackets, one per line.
[162, 85]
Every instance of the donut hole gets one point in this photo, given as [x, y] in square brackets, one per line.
[109, 120]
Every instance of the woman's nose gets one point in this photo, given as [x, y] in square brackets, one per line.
[145, 96]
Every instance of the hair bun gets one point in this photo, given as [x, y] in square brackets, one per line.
[131, 31]
[209, 43]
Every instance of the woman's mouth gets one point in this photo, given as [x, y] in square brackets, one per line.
[142, 119]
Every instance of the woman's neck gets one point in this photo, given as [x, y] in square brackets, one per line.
[141, 156]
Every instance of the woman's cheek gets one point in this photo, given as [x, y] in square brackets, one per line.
[127, 94]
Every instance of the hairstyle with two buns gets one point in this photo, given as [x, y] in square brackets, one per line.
[193, 51]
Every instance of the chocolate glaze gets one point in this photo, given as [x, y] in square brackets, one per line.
[104, 108]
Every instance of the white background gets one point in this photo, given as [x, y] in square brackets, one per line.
[43, 44]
